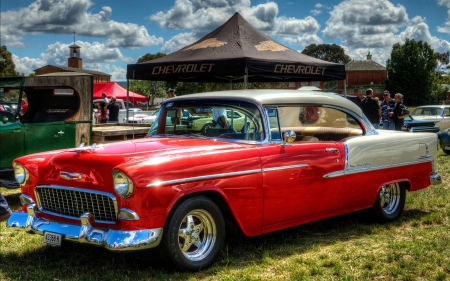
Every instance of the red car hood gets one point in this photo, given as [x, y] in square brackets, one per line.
[141, 160]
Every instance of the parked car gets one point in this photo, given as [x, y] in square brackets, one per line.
[418, 126]
[440, 114]
[292, 164]
[444, 141]
[134, 113]
[149, 119]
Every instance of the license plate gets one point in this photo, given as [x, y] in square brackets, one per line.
[53, 239]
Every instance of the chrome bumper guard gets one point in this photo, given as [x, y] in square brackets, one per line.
[435, 179]
[114, 240]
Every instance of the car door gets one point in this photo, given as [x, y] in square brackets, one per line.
[296, 185]
[49, 136]
[12, 140]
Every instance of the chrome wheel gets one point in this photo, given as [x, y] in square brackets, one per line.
[197, 235]
[390, 202]
[194, 234]
[390, 198]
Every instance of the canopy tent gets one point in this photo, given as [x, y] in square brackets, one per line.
[114, 89]
[234, 51]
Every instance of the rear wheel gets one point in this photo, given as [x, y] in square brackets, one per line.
[205, 127]
[194, 234]
[389, 203]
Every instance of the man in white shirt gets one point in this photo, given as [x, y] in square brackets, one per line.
[220, 113]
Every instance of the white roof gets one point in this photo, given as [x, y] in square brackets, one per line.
[309, 88]
[279, 97]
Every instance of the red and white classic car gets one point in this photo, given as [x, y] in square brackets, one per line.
[300, 157]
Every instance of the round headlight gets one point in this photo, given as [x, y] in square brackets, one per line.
[20, 173]
[122, 184]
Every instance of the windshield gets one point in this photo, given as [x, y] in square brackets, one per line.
[427, 111]
[218, 119]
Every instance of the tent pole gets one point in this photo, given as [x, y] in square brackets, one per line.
[245, 78]
[126, 105]
[345, 86]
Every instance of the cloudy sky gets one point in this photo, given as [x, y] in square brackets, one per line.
[114, 33]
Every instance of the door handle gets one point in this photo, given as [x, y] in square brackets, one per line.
[333, 150]
[60, 133]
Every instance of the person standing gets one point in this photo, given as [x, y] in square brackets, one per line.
[171, 93]
[105, 98]
[387, 105]
[5, 211]
[103, 112]
[397, 113]
[113, 109]
[371, 108]
[24, 105]
[220, 118]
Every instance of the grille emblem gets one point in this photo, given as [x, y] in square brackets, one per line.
[70, 176]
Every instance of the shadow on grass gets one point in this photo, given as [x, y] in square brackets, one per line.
[82, 262]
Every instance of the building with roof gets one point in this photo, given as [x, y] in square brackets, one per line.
[74, 64]
[363, 74]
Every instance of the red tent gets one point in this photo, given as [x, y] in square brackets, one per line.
[114, 89]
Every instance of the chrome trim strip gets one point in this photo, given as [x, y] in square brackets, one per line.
[157, 183]
[111, 239]
[178, 181]
[285, 167]
[372, 168]
[72, 218]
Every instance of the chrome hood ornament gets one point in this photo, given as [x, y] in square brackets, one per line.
[70, 176]
[82, 148]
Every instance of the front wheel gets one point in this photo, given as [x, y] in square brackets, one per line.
[389, 203]
[194, 234]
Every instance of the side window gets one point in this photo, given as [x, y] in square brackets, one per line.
[447, 112]
[273, 122]
[316, 123]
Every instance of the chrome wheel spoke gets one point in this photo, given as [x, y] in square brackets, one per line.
[196, 235]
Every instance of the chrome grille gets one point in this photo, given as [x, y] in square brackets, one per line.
[73, 202]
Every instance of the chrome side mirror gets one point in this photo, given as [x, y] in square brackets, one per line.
[288, 137]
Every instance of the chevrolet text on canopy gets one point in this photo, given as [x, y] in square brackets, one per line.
[235, 51]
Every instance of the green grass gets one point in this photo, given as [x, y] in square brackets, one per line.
[350, 247]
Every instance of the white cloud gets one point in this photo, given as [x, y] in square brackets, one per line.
[446, 27]
[66, 16]
[202, 16]
[179, 41]
[94, 56]
[419, 31]
[360, 23]
[26, 65]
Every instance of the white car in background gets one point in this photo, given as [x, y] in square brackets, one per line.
[440, 114]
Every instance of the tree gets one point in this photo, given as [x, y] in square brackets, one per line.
[411, 71]
[327, 52]
[151, 89]
[442, 61]
[7, 66]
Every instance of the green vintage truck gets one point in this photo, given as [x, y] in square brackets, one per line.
[59, 115]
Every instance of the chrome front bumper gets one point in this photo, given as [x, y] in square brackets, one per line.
[435, 179]
[114, 240]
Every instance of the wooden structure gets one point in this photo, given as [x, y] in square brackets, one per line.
[104, 133]
[59, 114]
